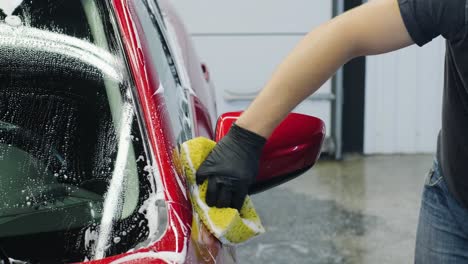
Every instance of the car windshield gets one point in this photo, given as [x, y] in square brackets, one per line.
[73, 180]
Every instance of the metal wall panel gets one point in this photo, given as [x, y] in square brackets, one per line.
[403, 99]
[259, 16]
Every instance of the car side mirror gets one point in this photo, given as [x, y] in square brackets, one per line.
[291, 150]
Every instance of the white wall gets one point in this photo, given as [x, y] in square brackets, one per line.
[243, 41]
[403, 100]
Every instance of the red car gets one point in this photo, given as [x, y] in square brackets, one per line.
[95, 98]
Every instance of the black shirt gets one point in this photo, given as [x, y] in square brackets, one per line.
[425, 20]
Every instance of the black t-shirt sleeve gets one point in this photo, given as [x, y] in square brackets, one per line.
[427, 19]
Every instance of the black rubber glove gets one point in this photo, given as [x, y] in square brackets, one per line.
[231, 168]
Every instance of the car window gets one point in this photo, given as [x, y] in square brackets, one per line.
[170, 86]
[73, 167]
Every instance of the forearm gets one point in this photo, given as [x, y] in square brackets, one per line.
[309, 65]
[317, 57]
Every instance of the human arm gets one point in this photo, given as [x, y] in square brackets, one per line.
[373, 28]
[376, 27]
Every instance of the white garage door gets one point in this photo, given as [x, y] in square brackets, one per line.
[403, 99]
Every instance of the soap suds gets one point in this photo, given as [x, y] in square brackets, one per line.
[150, 210]
[113, 200]
[181, 185]
[60, 44]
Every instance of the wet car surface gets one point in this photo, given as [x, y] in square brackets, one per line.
[95, 98]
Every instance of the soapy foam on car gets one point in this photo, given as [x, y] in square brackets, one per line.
[112, 201]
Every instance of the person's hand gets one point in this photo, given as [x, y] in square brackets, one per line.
[231, 168]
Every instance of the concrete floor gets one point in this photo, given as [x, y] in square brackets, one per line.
[360, 210]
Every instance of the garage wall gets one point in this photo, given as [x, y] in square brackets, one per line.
[243, 41]
[403, 100]
[403, 89]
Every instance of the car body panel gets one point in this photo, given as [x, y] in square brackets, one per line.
[178, 205]
[175, 242]
[194, 73]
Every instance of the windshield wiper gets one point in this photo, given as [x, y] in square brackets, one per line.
[3, 257]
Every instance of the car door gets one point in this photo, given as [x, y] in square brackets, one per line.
[182, 107]
[163, 65]
[193, 74]
[188, 95]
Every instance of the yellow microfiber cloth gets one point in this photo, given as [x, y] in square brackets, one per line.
[227, 224]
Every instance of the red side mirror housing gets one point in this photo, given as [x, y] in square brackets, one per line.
[292, 149]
